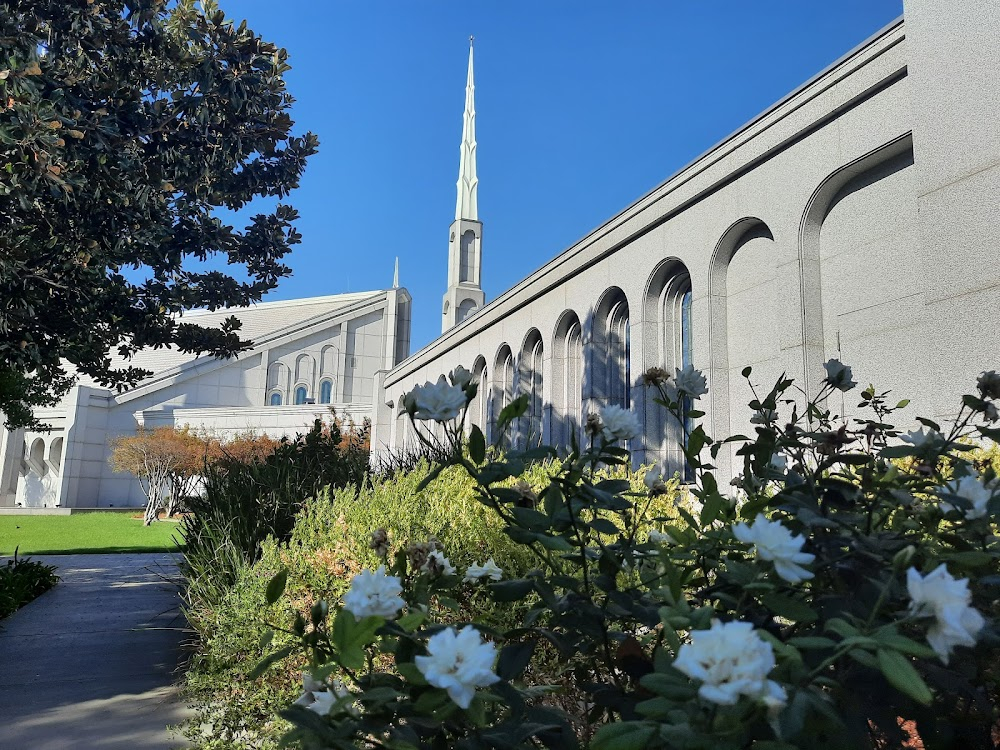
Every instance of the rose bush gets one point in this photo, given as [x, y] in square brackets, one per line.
[856, 610]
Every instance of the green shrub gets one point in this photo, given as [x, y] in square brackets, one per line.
[21, 581]
[840, 602]
[328, 545]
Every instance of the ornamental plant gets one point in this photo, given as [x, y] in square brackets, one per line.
[840, 593]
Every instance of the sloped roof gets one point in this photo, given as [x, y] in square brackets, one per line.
[259, 321]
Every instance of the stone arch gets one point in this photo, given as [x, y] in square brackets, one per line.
[277, 381]
[888, 158]
[477, 414]
[610, 352]
[56, 454]
[729, 342]
[567, 379]
[501, 392]
[466, 309]
[668, 337]
[467, 271]
[530, 383]
[36, 457]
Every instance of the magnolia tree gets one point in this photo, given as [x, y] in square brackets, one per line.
[842, 594]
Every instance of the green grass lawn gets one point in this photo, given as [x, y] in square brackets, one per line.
[85, 532]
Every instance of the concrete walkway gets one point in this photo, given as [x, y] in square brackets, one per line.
[91, 663]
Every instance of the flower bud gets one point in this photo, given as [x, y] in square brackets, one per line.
[902, 558]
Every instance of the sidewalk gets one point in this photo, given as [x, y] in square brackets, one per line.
[91, 663]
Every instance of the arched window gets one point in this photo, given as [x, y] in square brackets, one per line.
[477, 409]
[301, 393]
[567, 373]
[530, 383]
[609, 358]
[275, 399]
[326, 391]
[467, 258]
[668, 327]
[502, 392]
[465, 310]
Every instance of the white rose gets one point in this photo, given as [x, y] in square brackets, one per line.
[619, 423]
[839, 375]
[458, 661]
[773, 541]
[691, 381]
[972, 490]
[488, 569]
[460, 377]
[437, 401]
[437, 564]
[374, 594]
[919, 438]
[731, 659]
[947, 599]
[320, 697]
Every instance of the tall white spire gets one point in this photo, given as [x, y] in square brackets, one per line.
[464, 296]
[467, 204]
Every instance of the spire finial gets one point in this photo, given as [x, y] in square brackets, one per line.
[471, 39]
[466, 206]
[395, 275]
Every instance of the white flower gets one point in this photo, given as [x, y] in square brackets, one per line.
[919, 438]
[619, 424]
[764, 416]
[459, 662]
[438, 401]
[488, 569]
[779, 463]
[731, 660]
[437, 564]
[973, 490]
[374, 594]
[774, 542]
[839, 375]
[460, 377]
[691, 382]
[659, 537]
[319, 697]
[947, 599]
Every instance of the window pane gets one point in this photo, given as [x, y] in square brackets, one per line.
[300, 395]
[326, 392]
[275, 399]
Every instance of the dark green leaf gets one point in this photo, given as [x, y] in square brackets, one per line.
[276, 586]
[902, 675]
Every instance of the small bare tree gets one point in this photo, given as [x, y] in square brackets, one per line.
[152, 458]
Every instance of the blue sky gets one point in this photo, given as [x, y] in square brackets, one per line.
[582, 107]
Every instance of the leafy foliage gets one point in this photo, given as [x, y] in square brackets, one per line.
[124, 127]
[858, 592]
[331, 542]
[23, 580]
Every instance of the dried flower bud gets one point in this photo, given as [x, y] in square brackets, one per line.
[989, 384]
[594, 426]
[655, 376]
[380, 542]
[529, 498]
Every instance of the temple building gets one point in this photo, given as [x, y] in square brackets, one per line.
[855, 219]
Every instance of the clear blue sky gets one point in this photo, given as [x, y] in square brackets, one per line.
[582, 107]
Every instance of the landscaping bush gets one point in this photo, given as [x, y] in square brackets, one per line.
[250, 495]
[839, 600]
[21, 581]
[330, 542]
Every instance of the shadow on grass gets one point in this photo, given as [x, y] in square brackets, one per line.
[99, 550]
